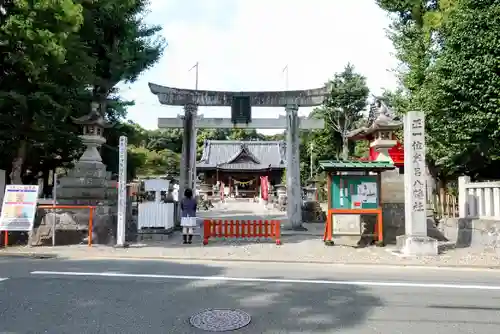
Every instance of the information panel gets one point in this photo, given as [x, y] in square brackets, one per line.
[354, 192]
[19, 208]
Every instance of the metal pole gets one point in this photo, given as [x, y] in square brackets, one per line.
[196, 84]
[285, 70]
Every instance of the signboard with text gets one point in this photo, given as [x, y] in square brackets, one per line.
[241, 110]
[354, 192]
[19, 208]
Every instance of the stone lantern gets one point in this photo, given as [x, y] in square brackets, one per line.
[88, 183]
[93, 125]
[380, 132]
[311, 190]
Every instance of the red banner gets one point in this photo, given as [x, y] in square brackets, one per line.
[264, 187]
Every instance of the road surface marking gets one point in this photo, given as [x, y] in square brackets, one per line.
[276, 280]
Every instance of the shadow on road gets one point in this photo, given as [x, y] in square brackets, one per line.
[83, 304]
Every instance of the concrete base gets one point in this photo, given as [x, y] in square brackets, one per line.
[412, 245]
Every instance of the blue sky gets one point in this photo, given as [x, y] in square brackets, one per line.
[245, 44]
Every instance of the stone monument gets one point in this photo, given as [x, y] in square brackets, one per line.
[416, 240]
[88, 183]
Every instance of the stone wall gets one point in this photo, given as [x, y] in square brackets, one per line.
[476, 233]
[393, 208]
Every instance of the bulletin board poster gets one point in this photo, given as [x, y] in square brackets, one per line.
[354, 192]
[19, 208]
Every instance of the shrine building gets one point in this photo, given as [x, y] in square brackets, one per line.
[239, 165]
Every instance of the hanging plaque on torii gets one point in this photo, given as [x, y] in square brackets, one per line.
[241, 110]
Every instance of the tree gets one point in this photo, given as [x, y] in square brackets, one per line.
[462, 90]
[155, 163]
[416, 36]
[33, 43]
[344, 104]
[49, 61]
[123, 45]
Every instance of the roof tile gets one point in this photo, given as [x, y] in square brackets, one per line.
[219, 153]
[346, 165]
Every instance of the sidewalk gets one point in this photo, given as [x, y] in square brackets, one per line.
[295, 249]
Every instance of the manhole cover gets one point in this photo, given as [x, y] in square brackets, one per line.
[220, 320]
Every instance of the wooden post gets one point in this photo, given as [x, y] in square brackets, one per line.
[329, 218]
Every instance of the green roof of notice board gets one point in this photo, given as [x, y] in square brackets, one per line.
[332, 165]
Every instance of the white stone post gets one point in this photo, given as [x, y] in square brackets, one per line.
[415, 241]
[462, 196]
[293, 189]
[122, 193]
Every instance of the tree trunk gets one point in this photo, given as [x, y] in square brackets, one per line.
[345, 148]
[17, 163]
[442, 196]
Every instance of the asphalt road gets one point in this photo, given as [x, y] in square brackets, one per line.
[58, 296]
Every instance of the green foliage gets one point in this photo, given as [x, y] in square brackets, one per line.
[52, 52]
[462, 90]
[155, 162]
[342, 111]
[449, 68]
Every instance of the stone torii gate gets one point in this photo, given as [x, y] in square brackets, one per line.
[191, 99]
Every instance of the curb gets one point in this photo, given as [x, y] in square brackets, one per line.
[364, 264]
[29, 255]
[207, 259]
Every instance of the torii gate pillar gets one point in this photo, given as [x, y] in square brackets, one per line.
[188, 156]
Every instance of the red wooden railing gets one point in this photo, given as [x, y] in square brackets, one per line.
[240, 229]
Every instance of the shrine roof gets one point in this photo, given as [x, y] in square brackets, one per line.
[242, 155]
[335, 165]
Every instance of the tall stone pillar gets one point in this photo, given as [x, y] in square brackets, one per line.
[193, 155]
[416, 240]
[188, 156]
[293, 188]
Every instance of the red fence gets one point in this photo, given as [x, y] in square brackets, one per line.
[241, 229]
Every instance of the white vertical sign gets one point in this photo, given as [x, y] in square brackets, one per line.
[122, 191]
[415, 176]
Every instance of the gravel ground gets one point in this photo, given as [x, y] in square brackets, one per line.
[306, 247]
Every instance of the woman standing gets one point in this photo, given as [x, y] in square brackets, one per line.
[188, 216]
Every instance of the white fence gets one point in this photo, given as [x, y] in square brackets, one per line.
[478, 199]
[155, 215]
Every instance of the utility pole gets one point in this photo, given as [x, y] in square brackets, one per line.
[196, 74]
